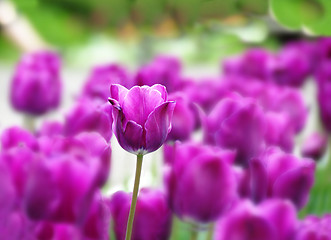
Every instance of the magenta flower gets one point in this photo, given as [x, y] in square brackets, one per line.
[183, 119]
[272, 220]
[279, 131]
[252, 64]
[313, 227]
[36, 85]
[290, 67]
[152, 218]
[281, 175]
[142, 117]
[323, 77]
[200, 182]
[239, 124]
[101, 77]
[163, 70]
[18, 137]
[314, 146]
[89, 116]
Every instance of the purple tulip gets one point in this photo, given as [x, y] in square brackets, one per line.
[90, 116]
[272, 220]
[36, 86]
[50, 129]
[313, 227]
[323, 77]
[281, 175]
[279, 131]
[101, 77]
[236, 123]
[252, 63]
[51, 180]
[323, 46]
[162, 70]
[200, 182]
[18, 137]
[142, 117]
[289, 67]
[280, 99]
[314, 146]
[183, 119]
[205, 92]
[152, 218]
[288, 101]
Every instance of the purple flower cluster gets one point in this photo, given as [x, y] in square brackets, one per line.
[228, 157]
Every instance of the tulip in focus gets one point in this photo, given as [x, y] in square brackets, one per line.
[142, 117]
[36, 85]
[200, 182]
[152, 219]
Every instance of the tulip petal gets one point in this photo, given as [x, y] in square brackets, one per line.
[140, 102]
[259, 181]
[162, 90]
[296, 184]
[118, 92]
[158, 125]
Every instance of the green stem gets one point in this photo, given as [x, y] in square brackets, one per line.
[134, 197]
[194, 232]
[210, 232]
[174, 228]
[29, 122]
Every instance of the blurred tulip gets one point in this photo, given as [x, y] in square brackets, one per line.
[142, 117]
[313, 227]
[183, 119]
[252, 63]
[89, 116]
[289, 68]
[152, 218]
[281, 175]
[51, 128]
[323, 76]
[314, 146]
[18, 137]
[279, 131]
[36, 85]
[272, 220]
[100, 79]
[200, 182]
[239, 124]
[162, 70]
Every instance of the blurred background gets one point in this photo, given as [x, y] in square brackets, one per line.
[132, 32]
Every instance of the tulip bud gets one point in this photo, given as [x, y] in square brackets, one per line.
[281, 175]
[239, 124]
[163, 70]
[89, 116]
[36, 86]
[200, 182]
[142, 117]
[272, 220]
[101, 77]
[314, 146]
[183, 119]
